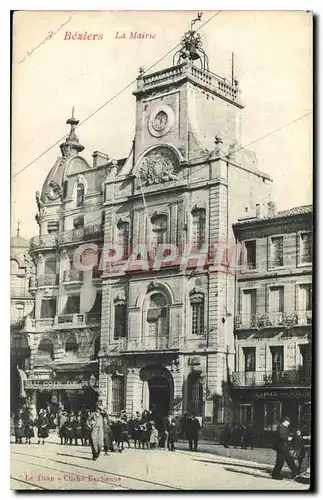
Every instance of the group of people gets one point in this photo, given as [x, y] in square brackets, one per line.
[25, 425]
[236, 435]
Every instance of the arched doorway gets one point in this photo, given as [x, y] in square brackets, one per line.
[160, 384]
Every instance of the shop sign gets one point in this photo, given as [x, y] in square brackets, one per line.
[294, 393]
[56, 384]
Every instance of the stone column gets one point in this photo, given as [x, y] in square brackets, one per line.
[145, 395]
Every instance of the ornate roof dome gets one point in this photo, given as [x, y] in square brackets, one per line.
[68, 163]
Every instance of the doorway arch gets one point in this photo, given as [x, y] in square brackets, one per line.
[160, 389]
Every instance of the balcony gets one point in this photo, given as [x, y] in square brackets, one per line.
[38, 325]
[274, 379]
[273, 319]
[77, 319]
[44, 241]
[94, 232]
[148, 344]
[48, 280]
[72, 275]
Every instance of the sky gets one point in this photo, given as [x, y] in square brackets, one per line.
[273, 63]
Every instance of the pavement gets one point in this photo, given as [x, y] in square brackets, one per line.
[55, 467]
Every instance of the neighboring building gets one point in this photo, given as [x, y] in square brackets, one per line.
[167, 333]
[64, 330]
[21, 304]
[273, 323]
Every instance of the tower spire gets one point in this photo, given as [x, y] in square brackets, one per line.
[18, 226]
[72, 145]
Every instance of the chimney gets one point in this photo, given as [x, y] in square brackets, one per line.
[271, 208]
[99, 159]
[258, 210]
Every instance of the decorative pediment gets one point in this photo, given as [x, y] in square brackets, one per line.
[158, 166]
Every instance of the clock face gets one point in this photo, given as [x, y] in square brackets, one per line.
[160, 121]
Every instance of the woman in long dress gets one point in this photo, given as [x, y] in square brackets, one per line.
[95, 422]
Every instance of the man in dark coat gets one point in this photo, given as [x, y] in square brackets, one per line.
[95, 423]
[226, 434]
[192, 432]
[282, 452]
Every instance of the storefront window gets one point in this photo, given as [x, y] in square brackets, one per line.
[245, 414]
[272, 415]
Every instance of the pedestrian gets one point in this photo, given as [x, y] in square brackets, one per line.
[69, 430]
[226, 434]
[172, 435]
[249, 436]
[95, 423]
[19, 430]
[29, 429]
[299, 448]
[78, 430]
[136, 430]
[236, 435]
[281, 440]
[12, 424]
[192, 430]
[122, 434]
[42, 426]
[107, 435]
[61, 420]
[153, 438]
[244, 438]
[145, 435]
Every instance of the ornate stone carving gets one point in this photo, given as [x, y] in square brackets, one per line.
[80, 179]
[158, 166]
[153, 285]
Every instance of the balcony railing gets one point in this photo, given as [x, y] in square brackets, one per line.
[264, 378]
[46, 240]
[72, 275]
[48, 280]
[273, 319]
[149, 344]
[39, 325]
[82, 234]
[78, 319]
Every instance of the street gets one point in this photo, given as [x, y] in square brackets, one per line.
[56, 467]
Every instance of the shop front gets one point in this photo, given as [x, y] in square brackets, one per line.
[64, 388]
[264, 408]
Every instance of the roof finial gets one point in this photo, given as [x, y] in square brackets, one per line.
[18, 226]
[73, 112]
[198, 18]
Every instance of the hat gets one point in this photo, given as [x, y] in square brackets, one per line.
[288, 419]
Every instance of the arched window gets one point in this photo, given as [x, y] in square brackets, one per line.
[80, 195]
[71, 344]
[197, 310]
[194, 394]
[198, 228]
[159, 230]
[123, 237]
[96, 346]
[157, 317]
[117, 393]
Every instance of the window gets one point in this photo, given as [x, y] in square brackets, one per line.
[123, 238]
[198, 228]
[272, 415]
[45, 352]
[159, 230]
[120, 320]
[157, 316]
[277, 359]
[96, 347]
[249, 307]
[305, 297]
[71, 344]
[276, 299]
[50, 265]
[80, 195]
[249, 359]
[245, 414]
[48, 308]
[277, 251]
[117, 393]
[197, 307]
[72, 304]
[195, 394]
[250, 254]
[306, 247]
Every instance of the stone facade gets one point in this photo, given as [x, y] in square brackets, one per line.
[273, 324]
